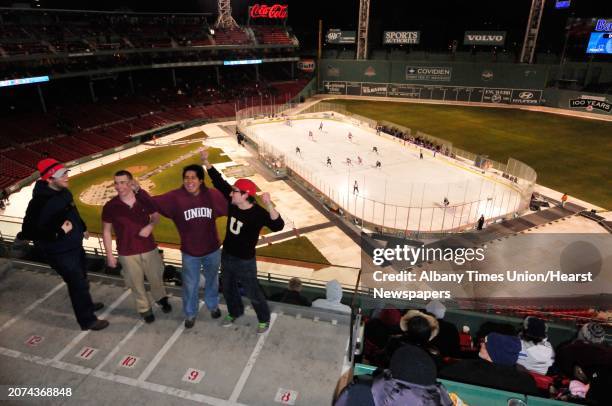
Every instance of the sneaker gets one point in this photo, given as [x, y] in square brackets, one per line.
[98, 306]
[99, 324]
[148, 317]
[163, 302]
[228, 321]
[189, 322]
[262, 327]
[215, 314]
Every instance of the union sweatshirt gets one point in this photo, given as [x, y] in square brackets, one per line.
[193, 216]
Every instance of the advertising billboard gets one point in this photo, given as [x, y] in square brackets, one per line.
[600, 43]
[435, 73]
[401, 37]
[336, 36]
[484, 38]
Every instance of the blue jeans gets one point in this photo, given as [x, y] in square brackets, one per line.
[244, 271]
[191, 281]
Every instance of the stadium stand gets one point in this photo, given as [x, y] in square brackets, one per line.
[272, 35]
[72, 131]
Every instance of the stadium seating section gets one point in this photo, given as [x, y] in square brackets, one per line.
[75, 131]
[35, 33]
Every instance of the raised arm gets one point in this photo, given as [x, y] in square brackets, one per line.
[163, 204]
[218, 182]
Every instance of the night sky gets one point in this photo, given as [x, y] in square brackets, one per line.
[440, 22]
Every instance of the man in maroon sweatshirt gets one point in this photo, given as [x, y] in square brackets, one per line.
[194, 208]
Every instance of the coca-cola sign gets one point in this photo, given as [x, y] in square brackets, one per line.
[277, 11]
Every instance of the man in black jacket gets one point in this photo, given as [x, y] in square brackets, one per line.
[53, 222]
[245, 219]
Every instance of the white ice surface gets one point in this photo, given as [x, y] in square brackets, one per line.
[407, 192]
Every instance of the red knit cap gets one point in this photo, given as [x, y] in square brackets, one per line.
[50, 167]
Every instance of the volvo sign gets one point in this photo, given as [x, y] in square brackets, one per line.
[484, 38]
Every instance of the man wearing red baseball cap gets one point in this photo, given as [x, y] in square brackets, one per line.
[53, 222]
[245, 220]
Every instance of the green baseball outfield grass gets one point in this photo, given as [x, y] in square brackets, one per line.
[300, 249]
[571, 155]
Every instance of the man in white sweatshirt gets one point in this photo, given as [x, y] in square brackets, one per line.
[537, 355]
[334, 295]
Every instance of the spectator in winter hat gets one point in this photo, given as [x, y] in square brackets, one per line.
[495, 368]
[536, 354]
[447, 340]
[418, 329]
[592, 333]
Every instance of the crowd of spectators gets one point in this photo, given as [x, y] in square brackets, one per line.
[520, 360]
[416, 140]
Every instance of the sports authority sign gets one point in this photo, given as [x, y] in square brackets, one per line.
[401, 37]
[433, 73]
[275, 11]
[484, 38]
[591, 102]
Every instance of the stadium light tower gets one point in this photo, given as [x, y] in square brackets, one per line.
[362, 29]
[225, 19]
[532, 31]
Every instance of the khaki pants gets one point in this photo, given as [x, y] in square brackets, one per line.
[135, 268]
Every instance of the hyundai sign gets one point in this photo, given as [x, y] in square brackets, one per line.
[484, 38]
[401, 37]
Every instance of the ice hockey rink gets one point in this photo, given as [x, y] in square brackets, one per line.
[405, 192]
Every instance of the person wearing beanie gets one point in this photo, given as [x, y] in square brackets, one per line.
[536, 355]
[193, 208]
[292, 294]
[587, 353]
[495, 368]
[593, 333]
[410, 380]
[447, 340]
[53, 222]
[245, 219]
